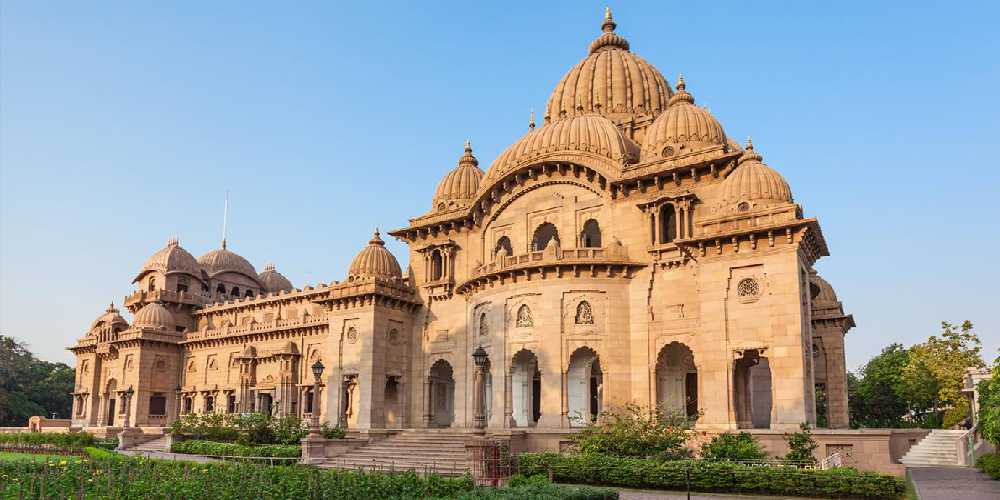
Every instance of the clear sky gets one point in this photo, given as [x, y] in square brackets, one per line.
[124, 123]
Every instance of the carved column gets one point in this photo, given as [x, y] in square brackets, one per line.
[565, 399]
[508, 400]
[479, 415]
[428, 401]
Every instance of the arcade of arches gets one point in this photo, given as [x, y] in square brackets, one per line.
[623, 250]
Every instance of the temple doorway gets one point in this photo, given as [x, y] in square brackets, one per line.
[525, 389]
[752, 390]
[110, 392]
[442, 391]
[676, 381]
[584, 387]
[391, 404]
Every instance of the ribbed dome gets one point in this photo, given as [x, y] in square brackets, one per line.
[273, 280]
[587, 133]
[154, 315]
[171, 259]
[611, 80]
[222, 260]
[461, 183]
[374, 261]
[683, 128]
[111, 316]
[754, 181]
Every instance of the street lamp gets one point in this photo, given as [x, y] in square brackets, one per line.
[317, 369]
[479, 357]
[128, 400]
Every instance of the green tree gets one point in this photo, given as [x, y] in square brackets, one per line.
[989, 405]
[30, 386]
[801, 446]
[876, 394]
[932, 378]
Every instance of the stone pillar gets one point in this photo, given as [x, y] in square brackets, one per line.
[565, 399]
[478, 399]
[508, 400]
[428, 401]
[836, 382]
[680, 226]
[656, 225]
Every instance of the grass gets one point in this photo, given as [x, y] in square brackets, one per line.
[32, 457]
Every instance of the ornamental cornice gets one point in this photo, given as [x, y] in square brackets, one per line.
[805, 232]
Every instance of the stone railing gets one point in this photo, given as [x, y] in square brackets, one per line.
[256, 327]
[140, 296]
[611, 253]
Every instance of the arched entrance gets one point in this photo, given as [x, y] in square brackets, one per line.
[111, 395]
[676, 381]
[584, 387]
[442, 394]
[526, 389]
[392, 404]
[752, 390]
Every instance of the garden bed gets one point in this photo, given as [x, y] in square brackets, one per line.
[216, 449]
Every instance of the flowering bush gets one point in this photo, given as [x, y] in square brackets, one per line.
[634, 431]
[246, 429]
[69, 441]
[732, 447]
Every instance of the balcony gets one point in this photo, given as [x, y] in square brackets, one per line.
[146, 296]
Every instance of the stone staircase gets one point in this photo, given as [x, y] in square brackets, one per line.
[161, 443]
[940, 447]
[439, 451]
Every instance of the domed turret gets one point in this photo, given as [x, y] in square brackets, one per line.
[825, 294]
[683, 128]
[274, 281]
[588, 133]
[169, 260]
[611, 80]
[154, 315]
[111, 317]
[754, 182]
[460, 185]
[374, 261]
[222, 260]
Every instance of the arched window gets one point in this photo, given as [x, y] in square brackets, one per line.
[590, 237]
[221, 289]
[584, 314]
[235, 291]
[249, 293]
[524, 318]
[668, 224]
[504, 244]
[182, 284]
[484, 327]
[544, 234]
[152, 284]
[437, 265]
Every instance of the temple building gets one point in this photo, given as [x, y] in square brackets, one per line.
[624, 250]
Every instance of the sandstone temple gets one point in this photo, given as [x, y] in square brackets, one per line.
[624, 250]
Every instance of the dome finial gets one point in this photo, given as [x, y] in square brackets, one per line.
[680, 82]
[376, 239]
[609, 22]
[468, 146]
[682, 94]
[749, 146]
[531, 120]
[749, 153]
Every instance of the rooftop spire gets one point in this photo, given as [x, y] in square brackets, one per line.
[467, 158]
[749, 154]
[225, 220]
[682, 94]
[680, 82]
[376, 240]
[609, 22]
[531, 121]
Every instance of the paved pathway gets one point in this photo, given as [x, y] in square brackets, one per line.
[950, 483]
[677, 495]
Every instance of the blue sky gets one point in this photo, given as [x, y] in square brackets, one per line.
[124, 123]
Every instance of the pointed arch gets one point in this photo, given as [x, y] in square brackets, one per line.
[544, 234]
[590, 237]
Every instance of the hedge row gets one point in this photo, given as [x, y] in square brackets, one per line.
[61, 440]
[131, 478]
[212, 448]
[711, 476]
[990, 464]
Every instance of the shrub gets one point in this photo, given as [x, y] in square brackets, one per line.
[634, 431]
[331, 432]
[70, 441]
[711, 476]
[246, 429]
[732, 447]
[989, 406]
[801, 447]
[212, 448]
[990, 464]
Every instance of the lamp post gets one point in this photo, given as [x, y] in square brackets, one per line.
[479, 357]
[128, 404]
[314, 429]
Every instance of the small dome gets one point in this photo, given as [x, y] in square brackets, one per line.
[461, 184]
[154, 315]
[112, 316]
[374, 261]
[684, 127]
[826, 294]
[611, 80]
[274, 281]
[222, 260]
[586, 133]
[754, 181]
[170, 259]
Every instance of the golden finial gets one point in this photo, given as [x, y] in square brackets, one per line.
[609, 22]
[468, 146]
[680, 82]
[749, 146]
[531, 120]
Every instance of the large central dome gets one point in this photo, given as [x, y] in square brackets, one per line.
[612, 81]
